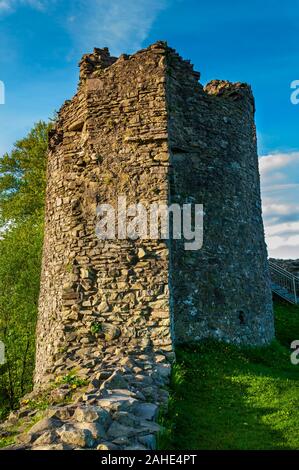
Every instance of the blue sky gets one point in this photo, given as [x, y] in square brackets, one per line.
[41, 42]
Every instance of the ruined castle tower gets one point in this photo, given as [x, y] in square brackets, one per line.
[143, 126]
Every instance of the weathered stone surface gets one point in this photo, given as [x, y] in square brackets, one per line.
[111, 332]
[76, 437]
[96, 430]
[119, 430]
[47, 438]
[117, 402]
[149, 441]
[105, 285]
[146, 410]
[115, 381]
[62, 413]
[44, 425]
[91, 414]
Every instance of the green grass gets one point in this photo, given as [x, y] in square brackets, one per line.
[7, 441]
[223, 397]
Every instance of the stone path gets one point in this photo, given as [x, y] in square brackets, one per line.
[117, 410]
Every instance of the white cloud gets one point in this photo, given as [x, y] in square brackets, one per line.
[280, 196]
[120, 25]
[6, 5]
[271, 162]
[285, 252]
[9, 6]
[273, 167]
[37, 4]
[279, 187]
[284, 229]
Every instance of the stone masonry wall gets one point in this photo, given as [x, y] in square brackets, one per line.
[223, 290]
[110, 140]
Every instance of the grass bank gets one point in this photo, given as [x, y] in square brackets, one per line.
[223, 397]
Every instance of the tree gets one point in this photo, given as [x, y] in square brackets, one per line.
[22, 195]
[23, 175]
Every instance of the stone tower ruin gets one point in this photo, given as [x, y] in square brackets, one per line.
[144, 127]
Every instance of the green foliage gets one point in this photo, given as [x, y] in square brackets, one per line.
[19, 287]
[224, 397]
[23, 423]
[69, 268]
[287, 322]
[22, 193]
[7, 441]
[40, 403]
[73, 380]
[95, 328]
[23, 176]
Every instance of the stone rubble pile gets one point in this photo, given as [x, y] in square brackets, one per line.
[116, 411]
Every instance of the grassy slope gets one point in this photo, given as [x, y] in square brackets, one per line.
[227, 398]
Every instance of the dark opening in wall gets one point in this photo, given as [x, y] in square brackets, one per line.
[77, 126]
[242, 317]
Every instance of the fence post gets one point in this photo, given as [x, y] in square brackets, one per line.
[295, 293]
